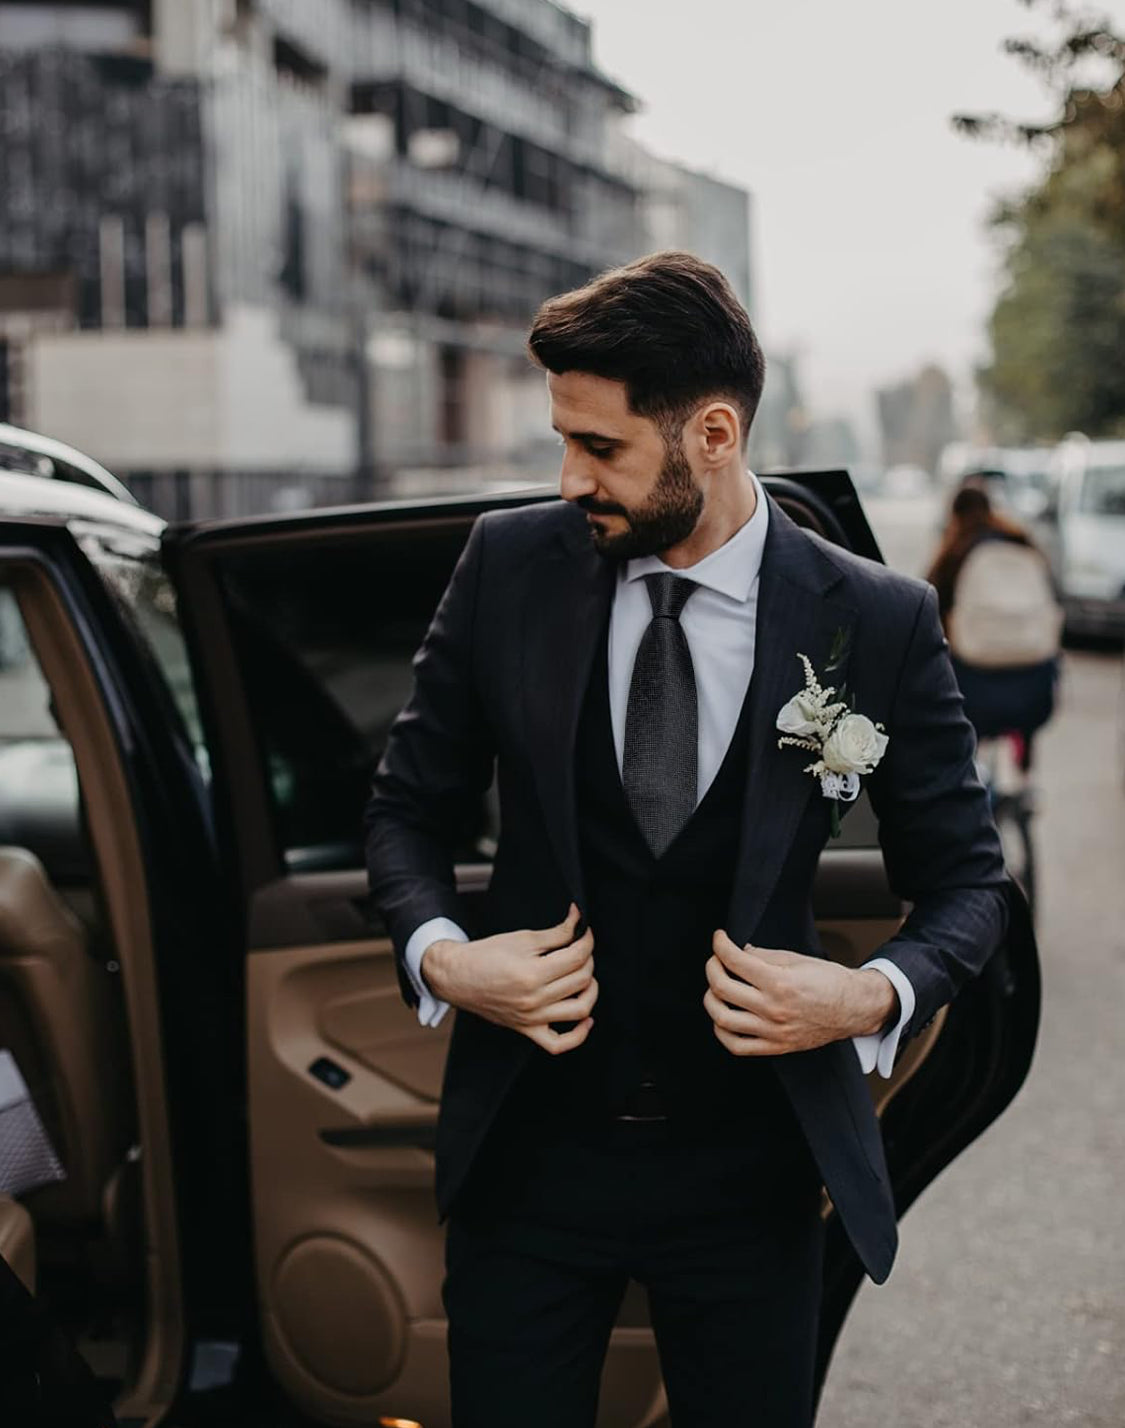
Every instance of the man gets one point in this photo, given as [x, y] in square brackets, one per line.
[653, 1069]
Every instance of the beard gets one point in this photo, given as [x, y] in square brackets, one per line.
[668, 516]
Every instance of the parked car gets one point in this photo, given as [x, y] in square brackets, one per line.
[1090, 541]
[1017, 477]
[35, 455]
[205, 1007]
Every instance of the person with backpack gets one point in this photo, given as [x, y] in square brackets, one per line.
[1001, 617]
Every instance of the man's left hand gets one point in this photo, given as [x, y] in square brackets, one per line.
[767, 1002]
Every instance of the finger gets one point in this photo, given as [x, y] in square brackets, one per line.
[775, 956]
[557, 1042]
[739, 962]
[733, 1019]
[561, 935]
[564, 960]
[570, 984]
[572, 1009]
[738, 992]
[745, 1045]
[722, 945]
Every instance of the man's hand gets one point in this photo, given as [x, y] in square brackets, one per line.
[766, 1002]
[522, 980]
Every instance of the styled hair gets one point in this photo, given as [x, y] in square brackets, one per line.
[668, 326]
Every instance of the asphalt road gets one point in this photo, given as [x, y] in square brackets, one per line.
[1007, 1305]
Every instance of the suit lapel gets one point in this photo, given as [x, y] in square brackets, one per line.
[796, 614]
[568, 599]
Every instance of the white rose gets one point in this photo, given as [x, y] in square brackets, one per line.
[854, 745]
[798, 718]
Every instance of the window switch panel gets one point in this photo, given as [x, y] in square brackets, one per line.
[326, 1070]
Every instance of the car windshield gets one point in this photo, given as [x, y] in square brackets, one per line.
[1103, 491]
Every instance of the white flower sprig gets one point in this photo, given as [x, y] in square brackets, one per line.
[846, 744]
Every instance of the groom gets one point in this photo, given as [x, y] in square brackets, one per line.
[653, 1068]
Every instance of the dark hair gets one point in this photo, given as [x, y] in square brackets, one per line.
[971, 503]
[668, 326]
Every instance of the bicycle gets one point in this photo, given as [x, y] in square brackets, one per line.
[1014, 805]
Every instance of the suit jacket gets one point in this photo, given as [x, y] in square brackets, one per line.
[499, 681]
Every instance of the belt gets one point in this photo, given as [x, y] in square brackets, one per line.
[644, 1103]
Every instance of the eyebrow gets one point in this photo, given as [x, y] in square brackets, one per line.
[598, 436]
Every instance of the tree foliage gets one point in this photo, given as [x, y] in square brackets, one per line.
[1058, 326]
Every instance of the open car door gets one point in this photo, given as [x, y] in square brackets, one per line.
[302, 629]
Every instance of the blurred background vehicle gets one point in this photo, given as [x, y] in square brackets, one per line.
[905, 480]
[1016, 477]
[1090, 542]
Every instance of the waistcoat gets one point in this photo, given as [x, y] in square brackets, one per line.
[653, 919]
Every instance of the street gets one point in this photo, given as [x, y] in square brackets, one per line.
[1006, 1307]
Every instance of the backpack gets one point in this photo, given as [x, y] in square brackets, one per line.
[1004, 609]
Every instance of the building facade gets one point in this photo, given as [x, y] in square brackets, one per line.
[306, 236]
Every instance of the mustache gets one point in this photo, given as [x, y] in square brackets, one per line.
[599, 508]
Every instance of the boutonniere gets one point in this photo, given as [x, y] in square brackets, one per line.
[846, 744]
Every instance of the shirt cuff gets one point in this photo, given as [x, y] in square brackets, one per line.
[431, 1009]
[877, 1051]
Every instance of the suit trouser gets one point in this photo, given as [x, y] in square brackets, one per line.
[723, 1234]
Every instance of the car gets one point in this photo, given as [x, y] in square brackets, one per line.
[906, 481]
[204, 1005]
[1089, 548]
[36, 455]
[1017, 478]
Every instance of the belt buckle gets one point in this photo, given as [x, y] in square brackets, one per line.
[640, 1115]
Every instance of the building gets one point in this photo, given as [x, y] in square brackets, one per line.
[916, 420]
[683, 208]
[300, 240]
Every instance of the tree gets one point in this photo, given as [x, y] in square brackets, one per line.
[1058, 327]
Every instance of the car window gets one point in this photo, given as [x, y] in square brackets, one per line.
[24, 695]
[146, 599]
[39, 806]
[1103, 491]
[325, 637]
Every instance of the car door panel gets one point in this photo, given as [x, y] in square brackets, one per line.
[360, 1205]
[349, 1256]
[348, 1249]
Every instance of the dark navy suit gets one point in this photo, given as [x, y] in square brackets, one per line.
[504, 679]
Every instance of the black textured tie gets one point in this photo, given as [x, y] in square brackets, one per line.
[659, 766]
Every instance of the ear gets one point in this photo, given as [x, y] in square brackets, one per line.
[718, 430]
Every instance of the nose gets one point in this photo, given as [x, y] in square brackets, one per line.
[575, 478]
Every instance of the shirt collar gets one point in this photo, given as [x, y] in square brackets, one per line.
[733, 569]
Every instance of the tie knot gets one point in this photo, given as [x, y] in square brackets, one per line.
[668, 594]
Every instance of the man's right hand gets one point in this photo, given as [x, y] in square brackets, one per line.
[523, 980]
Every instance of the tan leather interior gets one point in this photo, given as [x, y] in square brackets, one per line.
[114, 841]
[58, 1017]
[348, 1249]
[17, 1240]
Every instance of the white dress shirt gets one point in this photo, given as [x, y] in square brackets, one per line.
[718, 622]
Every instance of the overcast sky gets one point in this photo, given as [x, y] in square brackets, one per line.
[870, 251]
